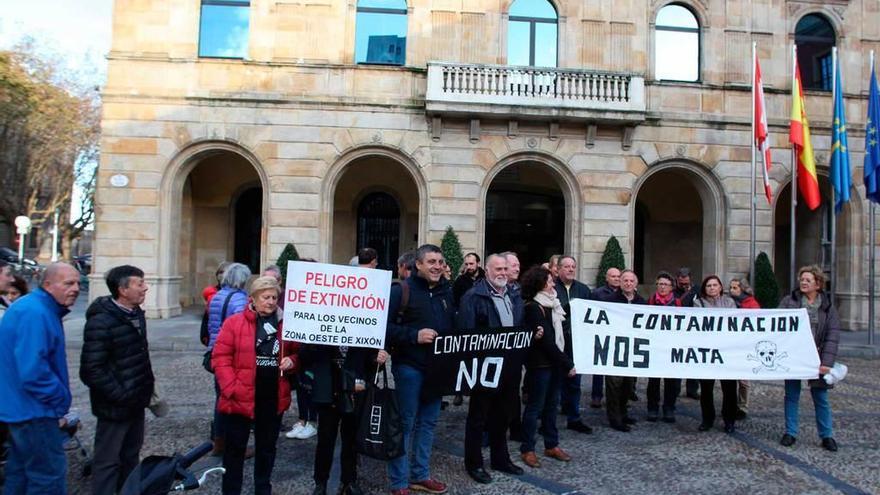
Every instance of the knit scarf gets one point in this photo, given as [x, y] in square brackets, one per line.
[551, 302]
[658, 300]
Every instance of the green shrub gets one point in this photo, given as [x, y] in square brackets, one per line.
[452, 250]
[766, 287]
[289, 254]
[611, 258]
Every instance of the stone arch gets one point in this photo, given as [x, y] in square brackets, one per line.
[342, 165]
[713, 204]
[697, 7]
[565, 179]
[171, 192]
[851, 250]
[830, 14]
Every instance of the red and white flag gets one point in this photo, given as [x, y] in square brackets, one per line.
[761, 129]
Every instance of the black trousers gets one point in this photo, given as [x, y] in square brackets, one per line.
[728, 401]
[692, 387]
[267, 424]
[617, 392]
[331, 422]
[671, 389]
[488, 411]
[117, 452]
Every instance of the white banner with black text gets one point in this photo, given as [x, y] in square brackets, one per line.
[670, 342]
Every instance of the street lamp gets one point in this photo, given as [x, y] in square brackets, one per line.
[22, 227]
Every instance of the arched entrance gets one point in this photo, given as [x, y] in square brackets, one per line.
[375, 204]
[213, 206]
[526, 213]
[813, 240]
[675, 219]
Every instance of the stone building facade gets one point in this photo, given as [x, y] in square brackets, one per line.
[299, 136]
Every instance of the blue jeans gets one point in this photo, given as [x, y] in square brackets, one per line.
[543, 399]
[36, 462]
[570, 397]
[419, 417]
[820, 402]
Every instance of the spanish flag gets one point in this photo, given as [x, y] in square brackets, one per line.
[799, 137]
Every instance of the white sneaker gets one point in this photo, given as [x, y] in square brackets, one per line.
[295, 431]
[307, 431]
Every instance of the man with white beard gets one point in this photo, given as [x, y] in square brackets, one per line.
[490, 304]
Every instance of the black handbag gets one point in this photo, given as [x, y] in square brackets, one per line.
[380, 432]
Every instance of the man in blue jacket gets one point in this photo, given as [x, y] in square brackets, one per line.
[420, 309]
[34, 383]
[490, 304]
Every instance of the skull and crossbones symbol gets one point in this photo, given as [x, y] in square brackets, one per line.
[768, 357]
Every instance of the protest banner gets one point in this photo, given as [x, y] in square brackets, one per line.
[670, 342]
[476, 359]
[336, 305]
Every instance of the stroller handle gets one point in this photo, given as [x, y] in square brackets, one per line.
[195, 454]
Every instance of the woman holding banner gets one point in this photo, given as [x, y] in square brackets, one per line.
[712, 296]
[664, 296]
[825, 325]
[546, 364]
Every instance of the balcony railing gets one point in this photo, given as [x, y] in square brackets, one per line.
[454, 87]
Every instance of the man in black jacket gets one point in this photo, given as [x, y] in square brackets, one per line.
[567, 288]
[607, 293]
[115, 365]
[686, 293]
[618, 389]
[420, 308]
[472, 272]
[490, 304]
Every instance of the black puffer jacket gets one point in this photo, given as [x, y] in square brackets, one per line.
[115, 361]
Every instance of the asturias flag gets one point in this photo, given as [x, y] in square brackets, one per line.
[799, 137]
[872, 143]
[841, 179]
[761, 130]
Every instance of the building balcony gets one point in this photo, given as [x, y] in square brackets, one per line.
[534, 93]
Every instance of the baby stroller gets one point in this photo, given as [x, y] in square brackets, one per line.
[159, 475]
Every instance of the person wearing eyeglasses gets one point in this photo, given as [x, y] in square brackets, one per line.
[663, 296]
[825, 325]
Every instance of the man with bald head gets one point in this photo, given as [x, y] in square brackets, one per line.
[34, 383]
[607, 293]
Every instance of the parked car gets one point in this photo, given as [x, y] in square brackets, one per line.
[29, 269]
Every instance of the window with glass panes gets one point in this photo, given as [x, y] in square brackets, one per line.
[223, 28]
[380, 34]
[532, 34]
[676, 44]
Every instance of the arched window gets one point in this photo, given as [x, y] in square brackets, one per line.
[677, 44]
[223, 28]
[380, 37]
[532, 33]
[814, 37]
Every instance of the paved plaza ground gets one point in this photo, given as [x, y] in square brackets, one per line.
[654, 458]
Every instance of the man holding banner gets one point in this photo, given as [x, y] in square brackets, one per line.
[490, 305]
[417, 314]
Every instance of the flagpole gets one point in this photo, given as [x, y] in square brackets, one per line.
[834, 90]
[793, 236]
[871, 255]
[753, 206]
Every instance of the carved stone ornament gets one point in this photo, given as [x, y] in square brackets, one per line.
[532, 142]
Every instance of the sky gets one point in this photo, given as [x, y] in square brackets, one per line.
[78, 31]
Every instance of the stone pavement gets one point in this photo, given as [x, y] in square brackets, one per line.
[655, 458]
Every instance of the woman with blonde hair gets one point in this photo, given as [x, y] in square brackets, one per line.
[253, 369]
[825, 326]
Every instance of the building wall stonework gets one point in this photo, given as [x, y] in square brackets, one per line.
[302, 115]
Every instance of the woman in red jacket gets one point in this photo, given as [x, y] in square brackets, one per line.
[252, 366]
[742, 294]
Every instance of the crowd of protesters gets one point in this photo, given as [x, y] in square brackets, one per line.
[256, 374]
